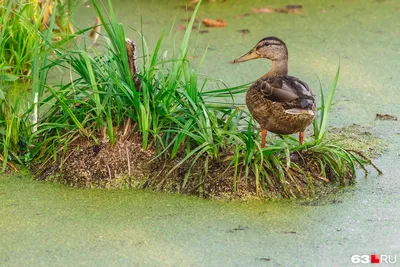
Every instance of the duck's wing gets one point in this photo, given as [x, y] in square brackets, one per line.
[285, 89]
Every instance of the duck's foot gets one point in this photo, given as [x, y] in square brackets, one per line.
[263, 137]
[301, 138]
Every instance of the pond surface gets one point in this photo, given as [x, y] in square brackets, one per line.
[47, 224]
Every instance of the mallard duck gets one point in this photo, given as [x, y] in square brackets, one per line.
[280, 103]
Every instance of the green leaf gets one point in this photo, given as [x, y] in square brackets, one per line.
[8, 77]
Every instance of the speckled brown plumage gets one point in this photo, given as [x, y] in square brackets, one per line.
[276, 116]
[280, 103]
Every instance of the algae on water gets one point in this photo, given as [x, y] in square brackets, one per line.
[358, 138]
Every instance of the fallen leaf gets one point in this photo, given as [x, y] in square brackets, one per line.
[295, 9]
[193, 2]
[187, 8]
[244, 31]
[242, 16]
[191, 57]
[263, 10]
[239, 228]
[291, 9]
[385, 117]
[181, 27]
[294, 6]
[214, 23]
[196, 20]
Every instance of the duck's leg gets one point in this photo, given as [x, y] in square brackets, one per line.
[301, 138]
[263, 137]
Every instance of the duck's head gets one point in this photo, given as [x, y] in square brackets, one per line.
[271, 48]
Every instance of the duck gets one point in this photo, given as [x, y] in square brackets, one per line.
[280, 103]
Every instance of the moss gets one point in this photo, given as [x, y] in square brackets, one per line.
[358, 138]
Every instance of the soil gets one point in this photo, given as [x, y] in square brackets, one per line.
[126, 165]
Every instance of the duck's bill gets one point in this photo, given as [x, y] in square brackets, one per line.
[249, 56]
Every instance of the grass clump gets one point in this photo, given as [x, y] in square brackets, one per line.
[102, 129]
[23, 23]
[27, 28]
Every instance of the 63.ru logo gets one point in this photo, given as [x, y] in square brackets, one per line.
[374, 258]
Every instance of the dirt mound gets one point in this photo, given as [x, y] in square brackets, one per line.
[106, 166]
[126, 165]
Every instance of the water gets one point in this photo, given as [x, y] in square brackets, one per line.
[43, 224]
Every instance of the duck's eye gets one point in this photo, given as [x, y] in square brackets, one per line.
[266, 44]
